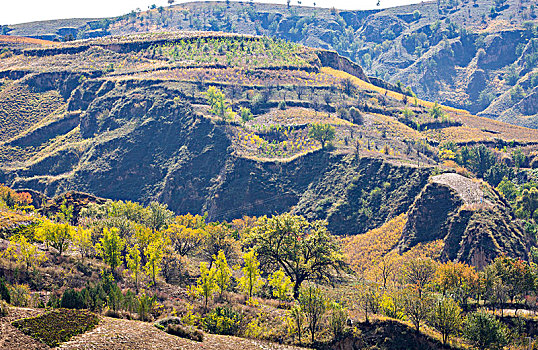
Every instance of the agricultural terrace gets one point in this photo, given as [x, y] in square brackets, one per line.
[234, 52]
[245, 76]
[57, 326]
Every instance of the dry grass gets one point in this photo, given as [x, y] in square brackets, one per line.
[243, 76]
[367, 86]
[24, 40]
[113, 334]
[20, 108]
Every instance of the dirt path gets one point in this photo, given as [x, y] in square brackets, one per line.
[114, 334]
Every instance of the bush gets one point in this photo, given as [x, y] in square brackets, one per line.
[484, 330]
[342, 113]
[222, 320]
[71, 299]
[355, 115]
[186, 332]
[20, 295]
[4, 291]
[4, 309]
[282, 105]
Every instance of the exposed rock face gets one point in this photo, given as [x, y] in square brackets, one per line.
[473, 220]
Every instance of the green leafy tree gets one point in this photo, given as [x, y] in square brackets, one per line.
[110, 247]
[482, 158]
[304, 250]
[223, 273]
[157, 216]
[446, 317]
[436, 111]
[219, 237]
[246, 114]
[251, 281]
[323, 133]
[508, 189]
[313, 304]
[419, 273]
[416, 306]
[337, 319]
[484, 331]
[527, 204]
[297, 318]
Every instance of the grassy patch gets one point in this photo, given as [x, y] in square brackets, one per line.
[57, 326]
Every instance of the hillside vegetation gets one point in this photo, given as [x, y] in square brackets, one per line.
[254, 187]
[476, 55]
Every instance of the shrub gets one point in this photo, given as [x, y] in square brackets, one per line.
[222, 320]
[356, 116]
[342, 113]
[4, 309]
[20, 295]
[4, 291]
[246, 114]
[185, 332]
[71, 299]
[282, 105]
[484, 330]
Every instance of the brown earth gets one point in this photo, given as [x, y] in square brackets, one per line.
[117, 334]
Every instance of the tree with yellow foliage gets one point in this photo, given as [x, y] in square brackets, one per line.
[223, 273]
[206, 284]
[251, 282]
[110, 247]
[458, 279]
[281, 285]
[134, 263]
[82, 240]
[186, 233]
[56, 235]
[154, 253]
[23, 251]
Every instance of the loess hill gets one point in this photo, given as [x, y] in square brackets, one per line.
[126, 117]
[478, 55]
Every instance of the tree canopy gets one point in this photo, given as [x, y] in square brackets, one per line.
[304, 250]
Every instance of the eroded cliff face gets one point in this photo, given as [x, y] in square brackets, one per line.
[141, 140]
[474, 221]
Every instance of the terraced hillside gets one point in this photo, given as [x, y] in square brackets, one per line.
[129, 117]
[477, 55]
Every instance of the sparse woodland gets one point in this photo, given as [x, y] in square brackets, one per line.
[279, 278]
[321, 217]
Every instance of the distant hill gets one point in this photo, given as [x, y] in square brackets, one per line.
[476, 55]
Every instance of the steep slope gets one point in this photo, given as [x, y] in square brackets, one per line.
[479, 55]
[473, 220]
[133, 123]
